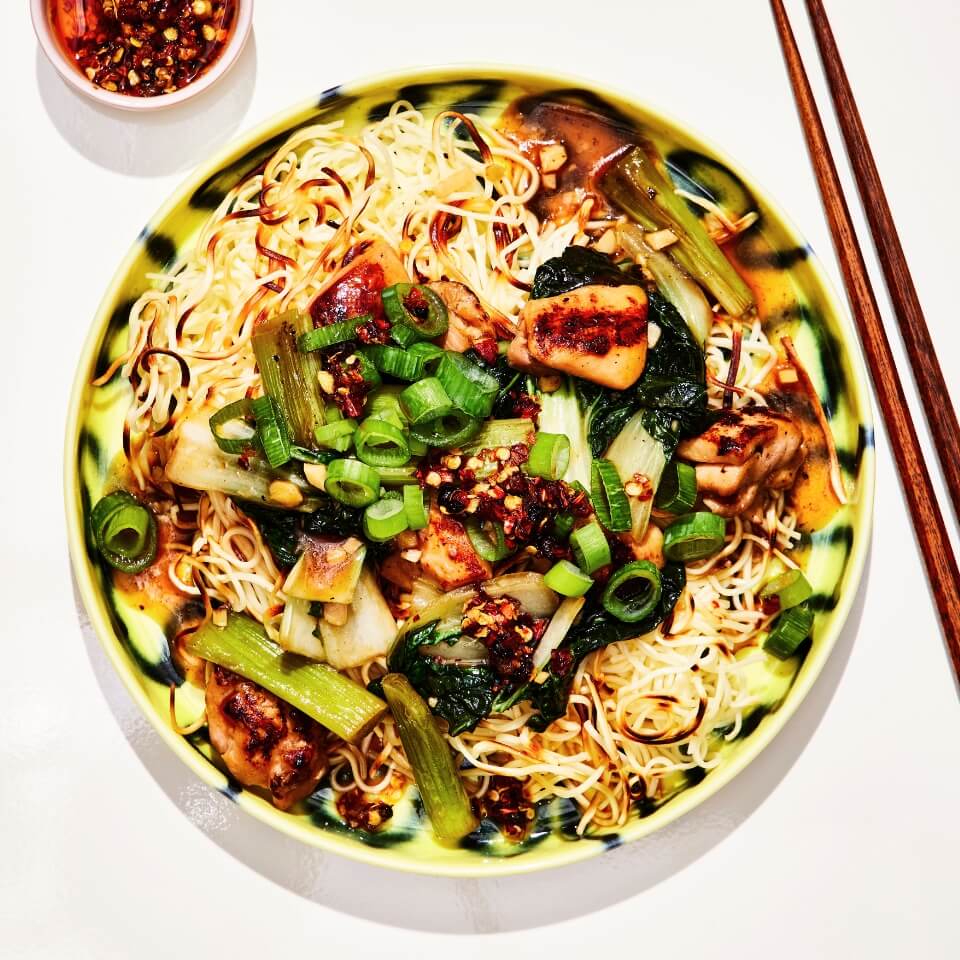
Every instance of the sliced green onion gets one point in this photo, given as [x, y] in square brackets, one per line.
[395, 362]
[338, 703]
[448, 431]
[369, 371]
[272, 430]
[290, 376]
[677, 492]
[352, 482]
[384, 519]
[430, 353]
[500, 433]
[425, 400]
[793, 626]
[417, 447]
[567, 579]
[549, 456]
[332, 334]
[590, 547]
[125, 532]
[386, 400]
[633, 591]
[336, 435]
[488, 548]
[791, 589]
[563, 524]
[694, 536]
[398, 476]
[415, 507]
[403, 336]
[434, 770]
[608, 497]
[470, 388]
[416, 307]
[309, 456]
[238, 412]
[381, 444]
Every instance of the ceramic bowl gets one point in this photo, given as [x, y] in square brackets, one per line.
[68, 69]
[797, 301]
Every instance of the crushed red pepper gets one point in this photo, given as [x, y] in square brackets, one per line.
[143, 48]
[360, 811]
[490, 485]
[510, 634]
[506, 804]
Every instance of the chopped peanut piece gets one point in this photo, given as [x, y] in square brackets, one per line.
[283, 493]
[552, 157]
[316, 474]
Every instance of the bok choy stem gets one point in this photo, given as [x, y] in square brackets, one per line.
[560, 413]
[438, 781]
[635, 451]
[290, 376]
[333, 700]
[640, 184]
[197, 462]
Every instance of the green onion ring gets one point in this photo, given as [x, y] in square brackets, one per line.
[487, 549]
[381, 443]
[677, 492]
[240, 411]
[384, 519]
[793, 626]
[590, 547]
[415, 507]
[417, 308]
[352, 482]
[608, 497]
[124, 531]
[336, 435]
[272, 430]
[469, 387]
[549, 456]
[448, 431]
[567, 579]
[694, 536]
[332, 334]
[633, 607]
[791, 589]
[425, 400]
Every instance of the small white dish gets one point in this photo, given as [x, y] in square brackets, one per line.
[65, 66]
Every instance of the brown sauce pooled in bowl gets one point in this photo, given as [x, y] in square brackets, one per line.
[143, 48]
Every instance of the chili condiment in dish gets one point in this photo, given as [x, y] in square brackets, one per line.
[143, 48]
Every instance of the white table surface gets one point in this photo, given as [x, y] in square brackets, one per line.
[840, 841]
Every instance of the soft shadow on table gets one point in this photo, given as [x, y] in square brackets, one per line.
[475, 906]
[155, 143]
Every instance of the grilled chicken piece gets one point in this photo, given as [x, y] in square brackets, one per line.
[263, 740]
[468, 321]
[518, 356]
[447, 555]
[742, 452]
[355, 288]
[594, 332]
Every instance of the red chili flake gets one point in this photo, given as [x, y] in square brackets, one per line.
[770, 605]
[507, 805]
[560, 662]
[143, 48]
[487, 348]
[510, 634]
[349, 388]
[361, 812]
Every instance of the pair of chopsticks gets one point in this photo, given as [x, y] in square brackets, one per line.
[928, 521]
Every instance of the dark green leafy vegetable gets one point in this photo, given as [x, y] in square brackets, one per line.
[673, 388]
[460, 694]
[576, 267]
[595, 629]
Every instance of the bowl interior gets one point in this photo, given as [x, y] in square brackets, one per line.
[794, 299]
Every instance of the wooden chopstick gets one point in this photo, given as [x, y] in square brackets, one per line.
[939, 411]
[927, 519]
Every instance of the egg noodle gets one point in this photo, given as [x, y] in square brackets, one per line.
[451, 196]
